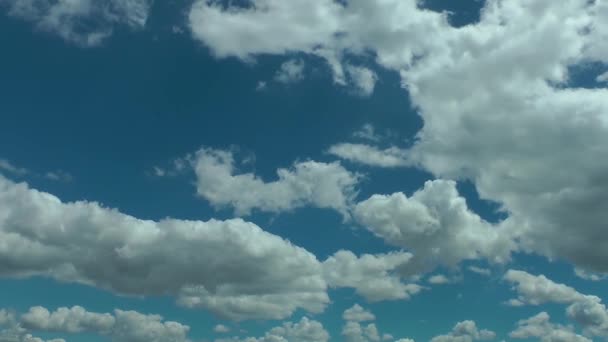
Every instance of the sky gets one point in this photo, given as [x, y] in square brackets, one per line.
[303, 170]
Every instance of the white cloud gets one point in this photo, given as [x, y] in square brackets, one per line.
[354, 332]
[541, 328]
[121, 326]
[586, 310]
[65, 17]
[367, 132]
[306, 183]
[602, 78]
[356, 313]
[9, 167]
[291, 71]
[439, 279]
[435, 225]
[371, 155]
[588, 275]
[537, 290]
[480, 270]
[465, 331]
[232, 268]
[306, 330]
[12, 331]
[363, 79]
[496, 109]
[374, 277]
[221, 329]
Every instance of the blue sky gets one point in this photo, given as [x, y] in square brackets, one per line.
[270, 170]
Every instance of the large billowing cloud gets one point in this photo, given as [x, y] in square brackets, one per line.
[497, 110]
[307, 183]
[84, 22]
[233, 268]
[436, 225]
[587, 310]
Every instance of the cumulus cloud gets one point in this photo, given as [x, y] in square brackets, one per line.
[291, 71]
[371, 155]
[233, 268]
[83, 22]
[306, 330]
[497, 110]
[374, 277]
[602, 78]
[12, 331]
[465, 331]
[322, 185]
[541, 328]
[357, 313]
[436, 225]
[586, 310]
[121, 326]
[354, 332]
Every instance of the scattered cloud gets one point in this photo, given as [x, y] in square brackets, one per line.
[67, 18]
[363, 79]
[221, 329]
[368, 132]
[480, 270]
[357, 314]
[465, 331]
[371, 155]
[439, 279]
[587, 310]
[374, 277]
[291, 71]
[308, 183]
[306, 330]
[541, 328]
[120, 326]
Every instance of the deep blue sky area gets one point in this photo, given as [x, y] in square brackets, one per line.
[108, 115]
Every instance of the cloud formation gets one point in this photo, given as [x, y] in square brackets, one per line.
[308, 183]
[232, 268]
[436, 225]
[497, 110]
[83, 22]
[374, 277]
[121, 326]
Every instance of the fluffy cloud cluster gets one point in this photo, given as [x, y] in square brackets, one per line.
[586, 310]
[310, 183]
[84, 22]
[306, 330]
[375, 277]
[436, 225]
[497, 110]
[465, 331]
[354, 331]
[122, 326]
[233, 268]
[541, 328]
[12, 331]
